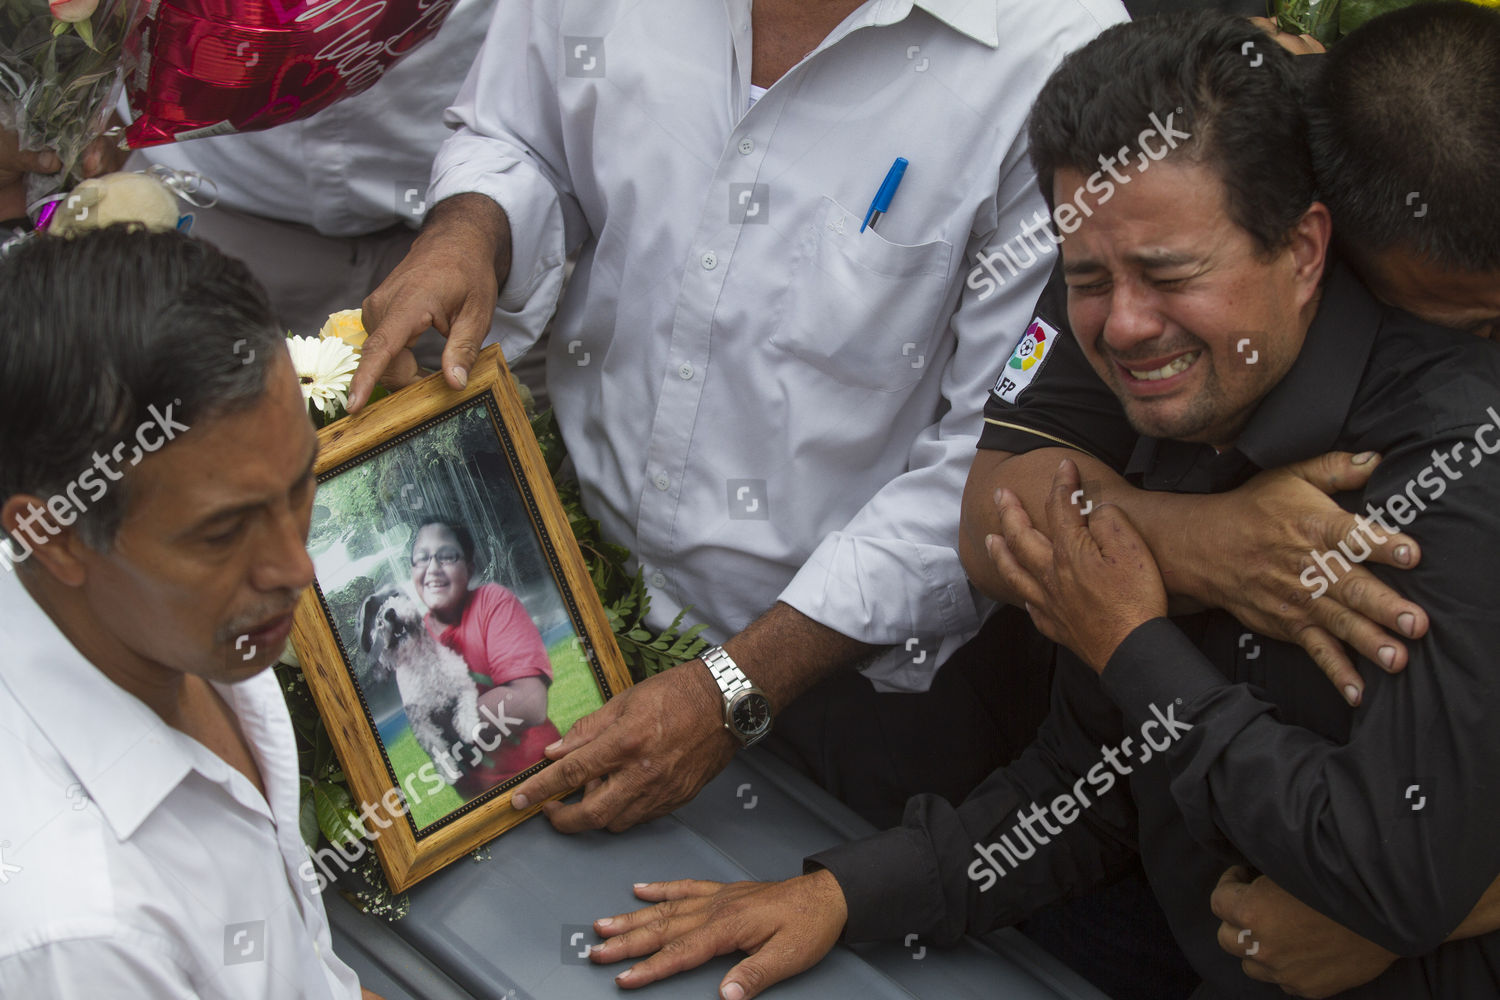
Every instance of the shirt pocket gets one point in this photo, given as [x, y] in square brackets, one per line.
[861, 309]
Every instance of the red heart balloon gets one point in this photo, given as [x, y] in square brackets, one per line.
[209, 67]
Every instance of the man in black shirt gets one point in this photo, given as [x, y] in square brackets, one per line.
[1246, 550]
[1212, 322]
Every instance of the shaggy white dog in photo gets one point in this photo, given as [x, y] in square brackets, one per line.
[440, 698]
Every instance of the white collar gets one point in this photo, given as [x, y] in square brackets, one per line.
[126, 758]
[977, 19]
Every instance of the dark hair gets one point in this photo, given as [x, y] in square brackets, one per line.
[101, 327]
[1404, 123]
[1231, 88]
[460, 534]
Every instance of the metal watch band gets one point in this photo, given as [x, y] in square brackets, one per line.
[727, 674]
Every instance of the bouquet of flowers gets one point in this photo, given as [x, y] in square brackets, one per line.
[60, 77]
[1330, 20]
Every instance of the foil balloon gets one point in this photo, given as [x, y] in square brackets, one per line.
[211, 67]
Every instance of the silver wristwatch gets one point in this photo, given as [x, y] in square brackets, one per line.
[747, 710]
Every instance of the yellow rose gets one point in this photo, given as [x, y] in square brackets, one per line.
[347, 325]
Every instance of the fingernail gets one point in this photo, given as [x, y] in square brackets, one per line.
[605, 922]
[1364, 458]
[639, 885]
[1403, 554]
[1408, 623]
[519, 801]
[50, 161]
[1351, 694]
[595, 949]
[732, 991]
[552, 746]
[1387, 655]
[460, 376]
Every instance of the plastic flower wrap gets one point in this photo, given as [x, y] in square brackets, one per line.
[59, 77]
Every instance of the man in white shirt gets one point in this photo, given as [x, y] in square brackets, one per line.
[772, 405]
[155, 495]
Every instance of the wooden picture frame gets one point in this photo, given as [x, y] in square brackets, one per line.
[396, 482]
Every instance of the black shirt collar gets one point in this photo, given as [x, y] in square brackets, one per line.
[1302, 414]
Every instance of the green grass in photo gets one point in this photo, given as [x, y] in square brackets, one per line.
[574, 692]
[426, 805]
[573, 695]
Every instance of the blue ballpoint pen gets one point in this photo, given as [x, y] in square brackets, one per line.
[882, 202]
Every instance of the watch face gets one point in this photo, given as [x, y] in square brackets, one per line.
[752, 714]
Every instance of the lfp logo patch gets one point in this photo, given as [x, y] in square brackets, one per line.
[1026, 360]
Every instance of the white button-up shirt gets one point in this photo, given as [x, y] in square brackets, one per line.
[358, 166]
[134, 862]
[762, 401]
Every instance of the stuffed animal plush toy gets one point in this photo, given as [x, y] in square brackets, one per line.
[121, 197]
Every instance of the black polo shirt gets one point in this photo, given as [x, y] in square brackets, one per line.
[1204, 745]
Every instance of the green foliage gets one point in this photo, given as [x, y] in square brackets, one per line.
[1330, 20]
[646, 653]
[624, 596]
[334, 808]
[1353, 13]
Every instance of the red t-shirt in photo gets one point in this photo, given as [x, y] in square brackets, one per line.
[498, 640]
[495, 636]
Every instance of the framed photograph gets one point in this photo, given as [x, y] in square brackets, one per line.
[452, 632]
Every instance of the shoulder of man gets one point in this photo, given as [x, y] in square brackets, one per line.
[54, 865]
[1424, 380]
[1039, 346]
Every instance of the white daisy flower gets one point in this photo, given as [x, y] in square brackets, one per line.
[325, 367]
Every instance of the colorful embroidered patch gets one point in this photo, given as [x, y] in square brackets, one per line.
[1026, 360]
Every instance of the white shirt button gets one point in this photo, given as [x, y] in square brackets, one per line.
[662, 482]
[747, 146]
[658, 580]
[710, 261]
[685, 371]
